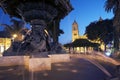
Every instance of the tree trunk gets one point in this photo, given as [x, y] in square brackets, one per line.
[116, 39]
[116, 24]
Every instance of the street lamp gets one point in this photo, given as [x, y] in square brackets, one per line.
[14, 36]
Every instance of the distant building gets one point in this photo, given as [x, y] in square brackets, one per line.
[75, 35]
[75, 32]
[5, 42]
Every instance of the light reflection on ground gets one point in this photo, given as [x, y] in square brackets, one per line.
[58, 65]
[74, 71]
[45, 74]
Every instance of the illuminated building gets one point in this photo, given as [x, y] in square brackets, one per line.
[5, 42]
[75, 35]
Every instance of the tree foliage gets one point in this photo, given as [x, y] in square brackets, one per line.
[114, 5]
[102, 30]
[16, 28]
[111, 5]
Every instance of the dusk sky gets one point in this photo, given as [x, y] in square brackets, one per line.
[85, 12]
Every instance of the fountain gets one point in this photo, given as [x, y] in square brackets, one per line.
[41, 14]
[44, 17]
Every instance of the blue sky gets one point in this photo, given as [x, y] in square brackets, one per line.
[4, 18]
[85, 12]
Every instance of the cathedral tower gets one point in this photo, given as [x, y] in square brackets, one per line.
[100, 19]
[75, 31]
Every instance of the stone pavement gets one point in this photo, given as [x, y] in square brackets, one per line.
[76, 69]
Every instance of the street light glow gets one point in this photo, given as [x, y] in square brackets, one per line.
[14, 36]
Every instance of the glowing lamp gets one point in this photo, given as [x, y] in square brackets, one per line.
[14, 36]
[108, 52]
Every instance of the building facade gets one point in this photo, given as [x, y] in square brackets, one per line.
[75, 35]
[4, 44]
[75, 32]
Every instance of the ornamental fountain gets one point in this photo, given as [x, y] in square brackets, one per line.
[44, 17]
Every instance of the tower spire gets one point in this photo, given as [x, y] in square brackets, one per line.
[100, 19]
[74, 22]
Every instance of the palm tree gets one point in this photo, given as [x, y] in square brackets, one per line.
[115, 6]
[15, 29]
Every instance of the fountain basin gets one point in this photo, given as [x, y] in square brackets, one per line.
[14, 60]
[59, 58]
[34, 63]
[39, 64]
[31, 64]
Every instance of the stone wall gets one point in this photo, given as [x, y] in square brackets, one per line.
[34, 64]
[39, 64]
[59, 58]
[13, 60]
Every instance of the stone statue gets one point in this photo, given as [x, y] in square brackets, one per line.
[36, 40]
[39, 13]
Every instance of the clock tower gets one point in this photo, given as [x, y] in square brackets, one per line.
[75, 31]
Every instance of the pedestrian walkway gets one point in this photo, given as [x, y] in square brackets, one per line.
[76, 69]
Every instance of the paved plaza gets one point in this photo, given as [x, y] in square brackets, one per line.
[78, 68]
